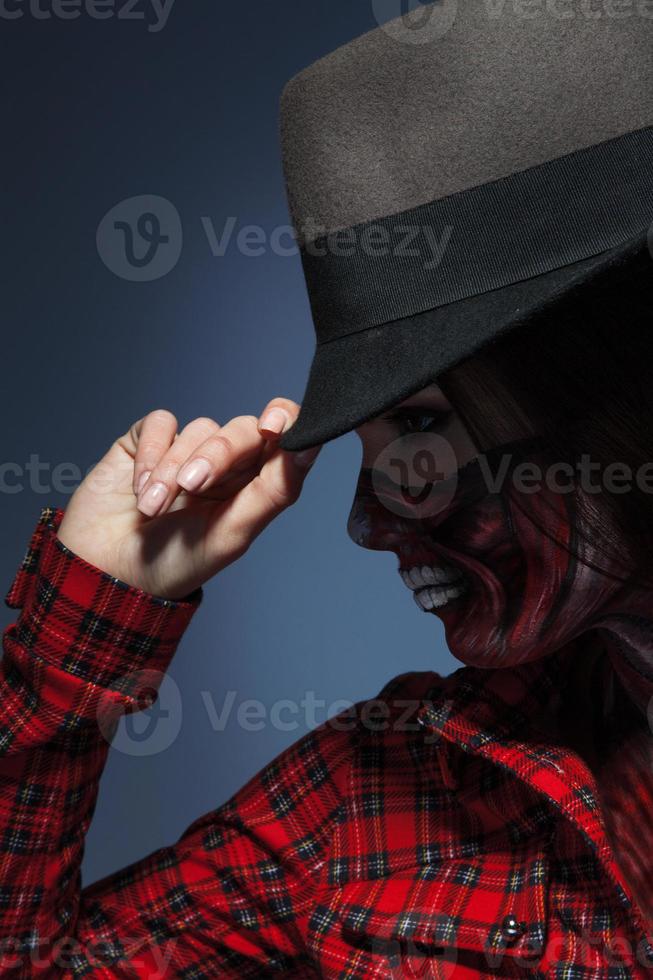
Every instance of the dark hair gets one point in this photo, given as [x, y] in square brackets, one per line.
[581, 378]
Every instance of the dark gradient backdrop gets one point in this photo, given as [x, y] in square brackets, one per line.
[97, 112]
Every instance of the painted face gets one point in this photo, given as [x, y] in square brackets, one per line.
[505, 590]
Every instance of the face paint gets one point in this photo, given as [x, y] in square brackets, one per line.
[494, 564]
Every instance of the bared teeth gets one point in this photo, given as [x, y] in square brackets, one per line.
[420, 576]
[433, 586]
[435, 597]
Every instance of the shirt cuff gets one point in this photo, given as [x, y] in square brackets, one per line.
[90, 625]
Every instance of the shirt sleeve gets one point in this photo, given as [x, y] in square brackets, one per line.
[230, 897]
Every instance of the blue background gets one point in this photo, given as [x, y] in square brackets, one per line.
[97, 112]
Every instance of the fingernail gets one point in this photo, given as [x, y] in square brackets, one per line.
[306, 457]
[193, 474]
[142, 480]
[274, 420]
[152, 500]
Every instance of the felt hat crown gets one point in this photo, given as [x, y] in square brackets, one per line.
[451, 173]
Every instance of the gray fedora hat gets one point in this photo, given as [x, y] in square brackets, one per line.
[454, 172]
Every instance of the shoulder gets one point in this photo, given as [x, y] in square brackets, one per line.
[413, 683]
[318, 775]
[319, 789]
[315, 775]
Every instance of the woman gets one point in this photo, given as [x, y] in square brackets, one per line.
[369, 846]
[493, 822]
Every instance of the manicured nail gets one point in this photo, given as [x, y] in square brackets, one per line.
[306, 457]
[193, 474]
[152, 500]
[142, 480]
[274, 420]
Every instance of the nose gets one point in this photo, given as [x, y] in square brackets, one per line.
[360, 522]
[385, 516]
[366, 527]
[371, 523]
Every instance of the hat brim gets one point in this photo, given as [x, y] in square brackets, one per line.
[356, 377]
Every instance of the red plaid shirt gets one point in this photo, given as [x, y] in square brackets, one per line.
[431, 831]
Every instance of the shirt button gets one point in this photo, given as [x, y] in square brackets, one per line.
[512, 929]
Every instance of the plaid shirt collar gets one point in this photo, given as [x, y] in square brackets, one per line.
[506, 715]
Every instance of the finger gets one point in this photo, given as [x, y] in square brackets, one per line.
[277, 417]
[203, 452]
[230, 483]
[238, 476]
[277, 486]
[152, 436]
[160, 484]
[223, 489]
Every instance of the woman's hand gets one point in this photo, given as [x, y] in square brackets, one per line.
[184, 526]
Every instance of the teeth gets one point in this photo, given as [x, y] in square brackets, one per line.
[436, 596]
[417, 577]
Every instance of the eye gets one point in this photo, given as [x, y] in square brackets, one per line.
[411, 420]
